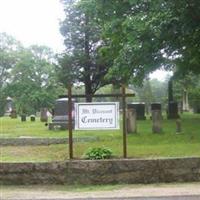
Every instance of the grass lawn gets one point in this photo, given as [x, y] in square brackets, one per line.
[10, 189]
[144, 144]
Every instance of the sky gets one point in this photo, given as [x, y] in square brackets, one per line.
[37, 22]
[33, 21]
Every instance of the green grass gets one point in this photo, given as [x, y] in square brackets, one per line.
[5, 189]
[13, 128]
[144, 144]
[65, 188]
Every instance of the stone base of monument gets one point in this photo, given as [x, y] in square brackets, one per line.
[13, 114]
[60, 125]
[7, 114]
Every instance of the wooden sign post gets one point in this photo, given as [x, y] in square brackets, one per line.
[123, 95]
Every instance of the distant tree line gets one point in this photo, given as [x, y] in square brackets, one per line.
[27, 75]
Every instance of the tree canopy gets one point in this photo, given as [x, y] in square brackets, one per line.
[82, 60]
[148, 34]
[27, 75]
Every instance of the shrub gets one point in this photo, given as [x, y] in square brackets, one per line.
[98, 153]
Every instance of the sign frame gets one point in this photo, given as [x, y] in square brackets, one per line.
[112, 107]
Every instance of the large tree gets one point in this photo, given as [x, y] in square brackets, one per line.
[33, 84]
[9, 49]
[148, 34]
[82, 61]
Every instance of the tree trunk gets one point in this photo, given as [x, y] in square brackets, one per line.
[170, 91]
[88, 91]
[88, 82]
[185, 100]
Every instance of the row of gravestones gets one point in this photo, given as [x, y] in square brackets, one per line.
[60, 116]
[11, 111]
[43, 116]
[156, 122]
[136, 111]
[172, 111]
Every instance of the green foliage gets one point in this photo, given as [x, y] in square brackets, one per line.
[189, 85]
[33, 84]
[151, 91]
[195, 99]
[145, 35]
[82, 61]
[27, 75]
[9, 48]
[98, 153]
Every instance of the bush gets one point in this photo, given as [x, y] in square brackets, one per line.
[98, 153]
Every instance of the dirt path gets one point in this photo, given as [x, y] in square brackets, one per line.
[43, 192]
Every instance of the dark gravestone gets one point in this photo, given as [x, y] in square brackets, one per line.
[140, 109]
[13, 114]
[23, 117]
[196, 107]
[156, 106]
[198, 110]
[60, 115]
[32, 118]
[172, 112]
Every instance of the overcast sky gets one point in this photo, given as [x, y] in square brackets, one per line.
[37, 22]
[33, 21]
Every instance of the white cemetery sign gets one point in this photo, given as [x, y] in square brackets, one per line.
[97, 116]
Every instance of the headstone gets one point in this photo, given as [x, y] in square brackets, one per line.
[140, 110]
[131, 121]
[9, 106]
[43, 115]
[60, 115]
[23, 117]
[13, 114]
[32, 118]
[157, 121]
[172, 112]
[196, 107]
[156, 106]
[178, 126]
[185, 103]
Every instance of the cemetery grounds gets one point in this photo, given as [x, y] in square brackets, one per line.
[144, 144]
